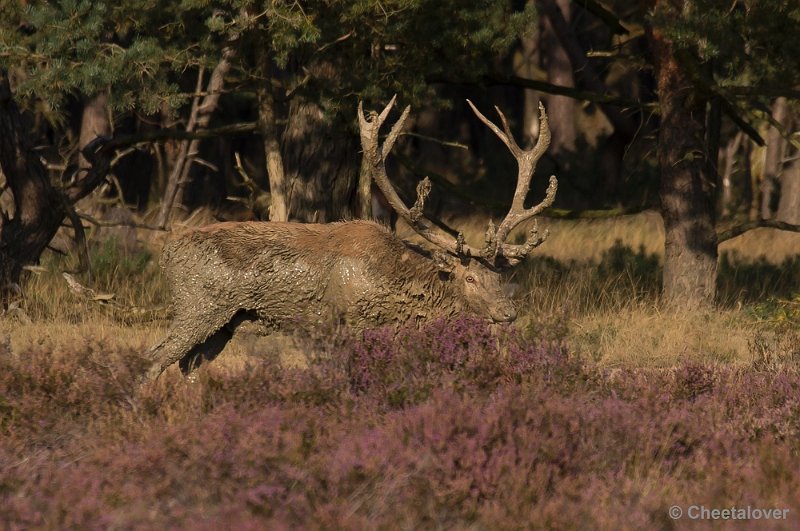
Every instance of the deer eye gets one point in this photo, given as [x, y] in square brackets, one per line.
[470, 279]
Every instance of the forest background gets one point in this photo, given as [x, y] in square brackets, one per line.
[655, 358]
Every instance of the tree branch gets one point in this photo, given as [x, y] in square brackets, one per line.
[179, 134]
[610, 19]
[770, 92]
[100, 223]
[560, 90]
[80, 237]
[732, 232]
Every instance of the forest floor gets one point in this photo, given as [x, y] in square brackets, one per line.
[597, 409]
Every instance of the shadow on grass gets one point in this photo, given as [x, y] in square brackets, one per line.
[625, 276]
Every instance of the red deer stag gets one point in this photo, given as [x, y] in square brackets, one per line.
[282, 274]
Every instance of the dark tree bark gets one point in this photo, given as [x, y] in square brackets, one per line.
[364, 206]
[556, 13]
[561, 109]
[726, 175]
[24, 234]
[38, 208]
[321, 153]
[322, 165]
[787, 173]
[690, 257]
[525, 66]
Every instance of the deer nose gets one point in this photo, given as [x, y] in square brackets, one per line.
[506, 315]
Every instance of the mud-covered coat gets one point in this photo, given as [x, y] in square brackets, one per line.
[288, 274]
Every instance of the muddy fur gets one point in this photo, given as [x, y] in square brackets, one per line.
[292, 274]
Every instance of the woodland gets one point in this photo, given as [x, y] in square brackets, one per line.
[655, 361]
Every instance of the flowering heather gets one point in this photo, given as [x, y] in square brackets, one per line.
[454, 425]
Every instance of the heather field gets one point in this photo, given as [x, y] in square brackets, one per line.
[597, 410]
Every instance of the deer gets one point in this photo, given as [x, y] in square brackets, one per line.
[281, 275]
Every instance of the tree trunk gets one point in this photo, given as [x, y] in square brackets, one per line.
[773, 158]
[322, 165]
[789, 206]
[364, 207]
[726, 176]
[202, 110]
[95, 121]
[38, 208]
[750, 180]
[690, 255]
[525, 65]
[625, 128]
[789, 174]
[37, 211]
[561, 109]
[268, 124]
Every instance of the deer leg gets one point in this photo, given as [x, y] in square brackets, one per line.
[213, 346]
[189, 331]
[205, 351]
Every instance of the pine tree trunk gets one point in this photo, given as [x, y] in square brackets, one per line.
[322, 165]
[37, 213]
[726, 175]
[364, 207]
[690, 257]
[95, 121]
[561, 109]
[38, 207]
[525, 65]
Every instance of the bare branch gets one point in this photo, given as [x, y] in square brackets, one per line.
[732, 232]
[101, 223]
[446, 143]
[80, 237]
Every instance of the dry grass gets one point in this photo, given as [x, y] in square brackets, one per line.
[586, 239]
[645, 337]
[570, 290]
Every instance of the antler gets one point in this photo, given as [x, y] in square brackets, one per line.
[496, 247]
[376, 157]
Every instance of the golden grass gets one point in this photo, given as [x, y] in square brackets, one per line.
[646, 337]
[586, 239]
[614, 321]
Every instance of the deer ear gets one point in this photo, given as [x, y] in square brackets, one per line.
[444, 262]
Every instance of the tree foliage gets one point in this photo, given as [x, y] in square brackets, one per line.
[750, 42]
[140, 50]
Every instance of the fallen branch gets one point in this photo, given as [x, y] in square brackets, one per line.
[107, 300]
[100, 223]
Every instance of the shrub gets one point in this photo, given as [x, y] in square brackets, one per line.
[457, 424]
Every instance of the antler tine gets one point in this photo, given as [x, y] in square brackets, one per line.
[376, 158]
[386, 110]
[526, 161]
[543, 142]
[395, 132]
[505, 138]
[512, 143]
